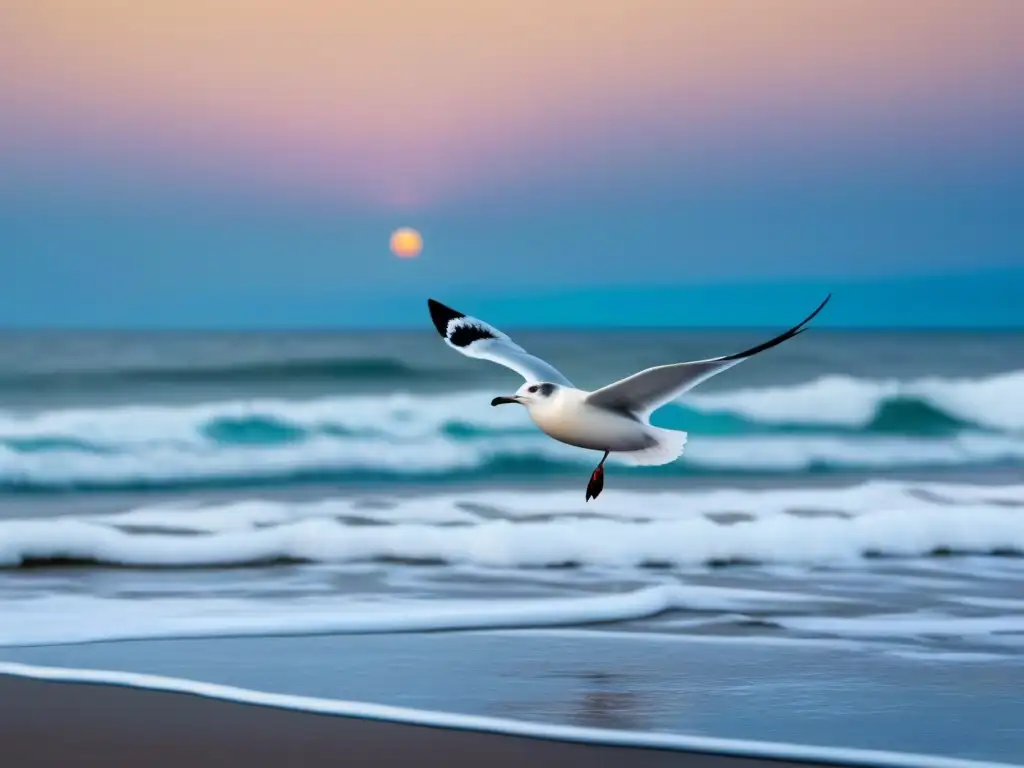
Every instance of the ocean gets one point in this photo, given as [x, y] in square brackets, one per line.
[845, 525]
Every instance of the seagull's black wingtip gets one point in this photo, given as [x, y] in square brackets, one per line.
[814, 314]
[794, 331]
[441, 315]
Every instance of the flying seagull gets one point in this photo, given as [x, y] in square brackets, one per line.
[612, 419]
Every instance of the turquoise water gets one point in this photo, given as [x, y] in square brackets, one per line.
[137, 411]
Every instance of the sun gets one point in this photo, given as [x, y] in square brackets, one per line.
[406, 243]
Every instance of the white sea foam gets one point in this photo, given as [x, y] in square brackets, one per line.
[996, 401]
[645, 739]
[999, 603]
[393, 416]
[45, 620]
[637, 505]
[437, 456]
[946, 656]
[918, 624]
[540, 529]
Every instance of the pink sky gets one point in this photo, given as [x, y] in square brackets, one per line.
[419, 102]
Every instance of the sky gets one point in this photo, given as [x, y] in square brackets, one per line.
[242, 163]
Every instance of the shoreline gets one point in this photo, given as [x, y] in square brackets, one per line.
[50, 723]
[59, 717]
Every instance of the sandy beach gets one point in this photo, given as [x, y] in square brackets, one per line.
[46, 723]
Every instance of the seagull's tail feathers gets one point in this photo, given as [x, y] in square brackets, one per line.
[668, 446]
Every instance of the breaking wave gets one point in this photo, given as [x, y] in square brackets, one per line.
[830, 424]
[543, 529]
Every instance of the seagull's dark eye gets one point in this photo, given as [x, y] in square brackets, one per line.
[532, 389]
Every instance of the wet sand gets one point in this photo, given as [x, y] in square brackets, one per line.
[46, 723]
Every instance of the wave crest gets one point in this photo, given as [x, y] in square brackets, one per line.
[993, 402]
[830, 424]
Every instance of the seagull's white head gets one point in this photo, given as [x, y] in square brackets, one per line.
[532, 393]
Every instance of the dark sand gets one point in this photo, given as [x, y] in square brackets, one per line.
[79, 724]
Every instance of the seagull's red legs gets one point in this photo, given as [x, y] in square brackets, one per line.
[596, 484]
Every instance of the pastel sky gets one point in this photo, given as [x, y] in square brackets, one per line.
[199, 160]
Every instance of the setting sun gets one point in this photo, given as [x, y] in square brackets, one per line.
[406, 243]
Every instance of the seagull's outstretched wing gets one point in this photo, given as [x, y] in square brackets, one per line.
[475, 338]
[644, 392]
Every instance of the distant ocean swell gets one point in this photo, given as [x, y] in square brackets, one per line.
[340, 370]
[830, 424]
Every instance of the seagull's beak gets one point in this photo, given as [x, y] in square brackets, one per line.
[504, 400]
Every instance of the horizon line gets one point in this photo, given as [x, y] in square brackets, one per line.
[340, 329]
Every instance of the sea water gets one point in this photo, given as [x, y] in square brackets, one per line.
[851, 501]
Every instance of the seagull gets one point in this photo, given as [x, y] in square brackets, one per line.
[612, 419]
